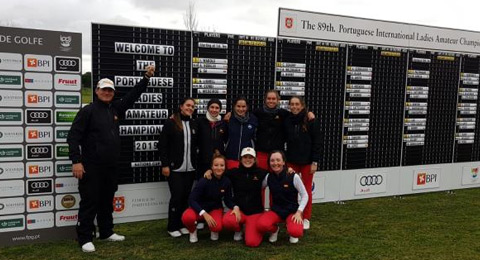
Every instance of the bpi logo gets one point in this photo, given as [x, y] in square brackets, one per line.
[36, 204]
[38, 62]
[474, 172]
[118, 204]
[289, 22]
[36, 169]
[39, 134]
[38, 99]
[424, 178]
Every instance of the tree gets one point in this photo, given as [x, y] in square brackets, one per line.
[190, 17]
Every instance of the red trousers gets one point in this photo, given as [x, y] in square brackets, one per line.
[253, 238]
[307, 180]
[190, 218]
[262, 161]
[267, 223]
[232, 164]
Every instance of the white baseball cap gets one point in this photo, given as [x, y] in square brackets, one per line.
[105, 83]
[248, 150]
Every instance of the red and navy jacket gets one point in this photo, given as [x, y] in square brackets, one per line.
[284, 194]
[208, 194]
[247, 188]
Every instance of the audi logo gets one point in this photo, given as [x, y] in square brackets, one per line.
[39, 150]
[69, 63]
[38, 114]
[371, 180]
[38, 185]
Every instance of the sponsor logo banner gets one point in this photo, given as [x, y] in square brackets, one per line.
[426, 178]
[12, 170]
[67, 64]
[11, 134]
[39, 169]
[67, 82]
[67, 201]
[11, 80]
[67, 99]
[369, 183]
[38, 116]
[11, 116]
[66, 185]
[38, 81]
[39, 134]
[65, 117]
[39, 152]
[38, 99]
[471, 175]
[11, 152]
[43, 186]
[12, 223]
[61, 151]
[40, 203]
[11, 98]
[10, 61]
[63, 168]
[40, 220]
[38, 62]
[141, 202]
[12, 188]
[66, 218]
[12, 206]
[61, 133]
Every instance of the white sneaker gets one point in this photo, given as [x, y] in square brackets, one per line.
[274, 236]
[200, 225]
[237, 236]
[193, 237]
[115, 238]
[306, 224]
[184, 231]
[175, 233]
[88, 247]
[214, 236]
[293, 240]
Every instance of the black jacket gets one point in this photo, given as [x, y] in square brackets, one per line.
[171, 143]
[94, 135]
[247, 188]
[270, 132]
[210, 138]
[303, 147]
[208, 194]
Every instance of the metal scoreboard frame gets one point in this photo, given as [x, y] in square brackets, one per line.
[40, 82]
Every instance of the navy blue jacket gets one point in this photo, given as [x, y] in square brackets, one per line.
[284, 194]
[303, 147]
[208, 194]
[240, 135]
[210, 138]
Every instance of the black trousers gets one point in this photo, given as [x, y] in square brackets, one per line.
[180, 184]
[97, 188]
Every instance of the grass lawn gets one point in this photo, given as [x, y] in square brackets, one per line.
[427, 226]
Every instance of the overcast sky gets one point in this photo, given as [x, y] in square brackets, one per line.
[250, 17]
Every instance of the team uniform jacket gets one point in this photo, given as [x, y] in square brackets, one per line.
[172, 155]
[247, 188]
[208, 194]
[270, 131]
[303, 147]
[240, 135]
[94, 135]
[211, 136]
[284, 190]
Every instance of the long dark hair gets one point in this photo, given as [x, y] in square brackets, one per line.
[176, 115]
[305, 118]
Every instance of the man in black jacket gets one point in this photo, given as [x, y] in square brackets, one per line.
[94, 143]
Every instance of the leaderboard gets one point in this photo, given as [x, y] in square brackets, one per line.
[378, 106]
[122, 54]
